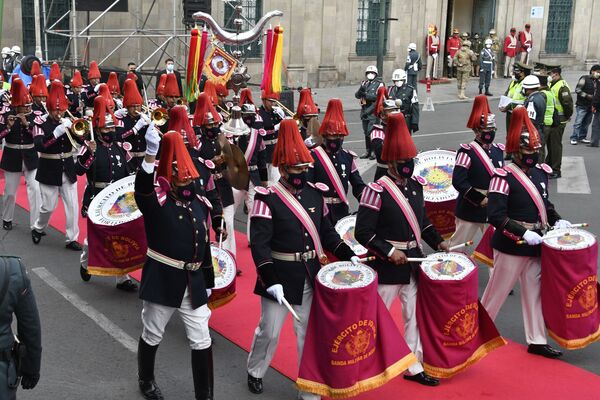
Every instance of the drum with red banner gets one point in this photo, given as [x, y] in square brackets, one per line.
[115, 226]
[225, 271]
[345, 228]
[455, 329]
[352, 344]
[437, 166]
[570, 287]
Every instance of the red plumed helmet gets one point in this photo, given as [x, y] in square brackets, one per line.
[171, 87]
[522, 134]
[131, 75]
[173, 151]
[160, 88]
[246, 97]
[334, 122]
[131, 94]
[94, 72]
[290, 149]
[269, 95]
[381, 97]
[210, 89]
[104, 92]
[20, 95]
[306, 104]
[76, 80]
[205, 113]
[398, 144]
[480, 108]
[55, 74]
[56, 97]
[38, 87]
[222, 90]
[35, 69]
[103, 116]
[179, 121]
[113, 83]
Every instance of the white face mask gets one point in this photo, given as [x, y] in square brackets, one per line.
[170, 67]
[488, 46]
[549, 79]
[399, 83]
[371, 76]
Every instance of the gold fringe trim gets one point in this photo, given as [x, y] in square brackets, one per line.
[101, 271]
[484, 259]
[361, 386]
[574, 344]
[478, 354]
[447, 236]
[221, 302]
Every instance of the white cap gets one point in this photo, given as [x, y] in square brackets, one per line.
[488, 41]
[399, 75]
[412, 46]
[530, 82]
[371, 68]
[16, 49]
[5, 50]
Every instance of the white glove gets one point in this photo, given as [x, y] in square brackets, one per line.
[529, 50]
[152, 140]
[532, 238]
[562, 223]
[279, 112]
[276, 291]
[355, 260]
[493, 72]
[208, 292]
[59, 131]
[145, 117]
[66, 122]
[276, 127]
[97, 87]
[121, 112]
[119, 103]
[140, 124]
[434, 55]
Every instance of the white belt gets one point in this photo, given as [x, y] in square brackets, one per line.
[333, 200]
[137, 153]
[380, 165]
[404, 245]
[252, 167]
[297, 257]
[101, 185]
[487, 62]
[186, 266]
[59, 156]
[272, 141]
[19, 146]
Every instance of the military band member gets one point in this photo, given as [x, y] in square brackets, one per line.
[519, 208]
[160, 100]
[115, 89]
[334, 165]
[271, 117]
[474, 168]
[178, 274]
[289, 230]
[406, 97]
[56, 171]
[103, 161]
[367, 94]
[75, 95]
[19, 156]
[391, 223]
[306, 112]
[55, 73]
[134, 123]
[39, 94]
[91, 91]
[383, 108]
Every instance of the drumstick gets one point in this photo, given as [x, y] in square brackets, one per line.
[290, 309]
[458, 246]
[367, 259]
[221, 232]
[417, 259]
[581, 225]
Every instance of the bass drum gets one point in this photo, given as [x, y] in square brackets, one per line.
[27, 62]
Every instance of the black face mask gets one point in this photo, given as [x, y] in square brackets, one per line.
[248, 121]
[487, 137]
[406, 169]
[529, 160]
[333, 145]
[297, 181]
[187, 192]
[212, 132]
[108, 137]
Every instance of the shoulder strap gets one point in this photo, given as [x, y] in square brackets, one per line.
[5, 279]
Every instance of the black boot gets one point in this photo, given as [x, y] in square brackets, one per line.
[367, 147]
[202, 371]
[146, 357]
[480, 90]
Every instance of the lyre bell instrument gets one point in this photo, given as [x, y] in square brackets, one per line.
[226, 114]
[235, 126]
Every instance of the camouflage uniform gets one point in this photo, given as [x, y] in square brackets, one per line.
[463, 60]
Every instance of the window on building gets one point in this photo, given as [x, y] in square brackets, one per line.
[251, 13]
[559, 26]
[367, 30]
[56, 44]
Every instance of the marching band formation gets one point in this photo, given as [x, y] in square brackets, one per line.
[194, 165]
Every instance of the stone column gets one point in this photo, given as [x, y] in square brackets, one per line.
[296, 71]
[327, 73]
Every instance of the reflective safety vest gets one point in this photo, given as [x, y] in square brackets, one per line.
[555, 89]
[514, 91]
[549, 107]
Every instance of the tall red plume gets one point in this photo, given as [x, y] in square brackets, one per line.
[94, 72]
[171, 87]
[334, 122]
[55, 73]
[160, 88]
[210, 89]
[203, 108]
[398, 144]
[38, 87]
[246, 97]
[76, 80]
[179, 121]
[101, 108]
[306, 104]
[113, 83]
[480, 107]
[20, 95]
[290, 148]
[56, 97]
[381, 96]
[172, 149]
[35, 69]
[519, 123]
[131, 94]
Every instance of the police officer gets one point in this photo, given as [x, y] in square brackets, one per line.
[535, 102]
[178, 273]
[334, 165]
[515, 89]
[496, 47]
[405, 96]
[289, 230]
[487, 66]
[540, 71]
[463, 62]
[519, 208]
[134, 123]
[413, 65]
[384, 226]
[473, 170]
[563, 103]
[16, 298]
[367, 94]
[271, 117]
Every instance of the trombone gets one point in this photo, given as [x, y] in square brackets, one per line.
[159, 115]
[223, 111]
[285, 109]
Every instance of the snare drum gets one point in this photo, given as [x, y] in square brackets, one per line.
[345, 228]
[345, 275]
[569, 287]
[437, 166]
[225, 271]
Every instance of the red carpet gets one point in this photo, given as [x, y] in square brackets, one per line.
[507, 373]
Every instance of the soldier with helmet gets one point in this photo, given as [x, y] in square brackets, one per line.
[463, 62]
[5, 60]
[476, 46]
[413, 65]
[487, 66]
[405, 96]
[367, 94]
[520, 209]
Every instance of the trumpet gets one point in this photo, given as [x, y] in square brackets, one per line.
[159, 115]
[180, 102]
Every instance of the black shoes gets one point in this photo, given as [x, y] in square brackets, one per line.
[544, 350]
[7, 225]
[150, 390]
[85, 275]
[554, 175]
[423, 379]
[365, 155]
[487, 93]
[372, 156]
[591, 145]
[146, 356]
[72, 246]
[126, 286]
[255, 385]
[36, 236]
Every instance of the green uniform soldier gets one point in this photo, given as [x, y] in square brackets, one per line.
[476, 46]
[463, 60]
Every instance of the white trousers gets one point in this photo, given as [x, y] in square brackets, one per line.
[465, 231]
[509, 62]
[11, 184]
[68, 193]
[432, 66]
[273, 174]
[156, 316]
[408, 298]
[507, 270]
[266, 335]
[247, 196]
[229, 243]
[85, 256]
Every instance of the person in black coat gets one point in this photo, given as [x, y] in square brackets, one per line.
[170, 69]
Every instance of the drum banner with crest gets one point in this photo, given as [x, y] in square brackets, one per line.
[352, 343]
[570, 288]
[116, 236]
[456, 331]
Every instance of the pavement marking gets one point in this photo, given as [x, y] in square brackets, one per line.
[418, 135]
[100, 319]
[574, 176]
[364, 165]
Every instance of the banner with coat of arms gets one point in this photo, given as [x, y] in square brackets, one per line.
[219, 65]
